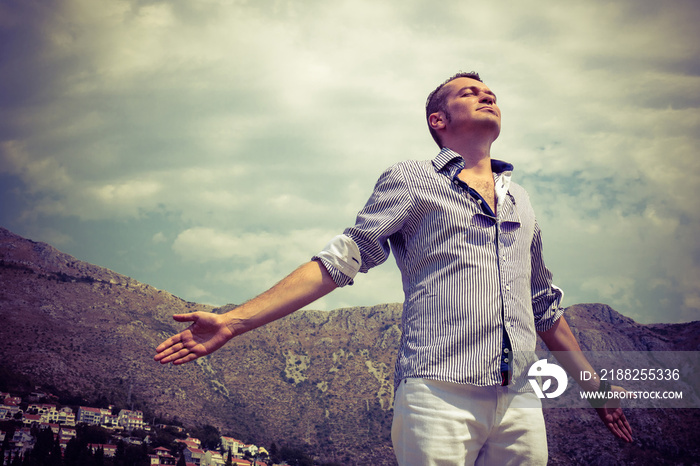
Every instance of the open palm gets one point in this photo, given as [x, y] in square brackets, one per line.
[207, 333]
[614, 419]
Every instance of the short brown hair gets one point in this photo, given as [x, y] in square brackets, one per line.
[437, 99]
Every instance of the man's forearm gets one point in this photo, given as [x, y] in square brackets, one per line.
[305, 285]
[561, 341]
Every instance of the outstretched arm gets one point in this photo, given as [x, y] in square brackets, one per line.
[561, 340]
[209, 332]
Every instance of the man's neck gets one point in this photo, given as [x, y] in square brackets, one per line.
[477, 157]
[474, 147]
[477, 172]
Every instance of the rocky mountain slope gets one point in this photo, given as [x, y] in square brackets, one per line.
[322, 380]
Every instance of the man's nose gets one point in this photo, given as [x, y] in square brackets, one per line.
[487, 99]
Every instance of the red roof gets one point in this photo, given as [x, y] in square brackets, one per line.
[241, 462]
[188, 441]
[92, 410]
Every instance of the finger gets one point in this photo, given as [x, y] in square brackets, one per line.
[192, 316]
[626, 424]
[628, 436]
[625, 428]
[620, 421]
[621, 429]
[169, 343]
[165, 359]
[175, 356]
[615, 430]
[162, 353]
[168, 351]
[624, 434]
[186, 359]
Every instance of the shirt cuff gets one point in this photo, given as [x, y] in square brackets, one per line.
[341, 258]
[553, 312]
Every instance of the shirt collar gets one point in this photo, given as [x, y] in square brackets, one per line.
[451, 162]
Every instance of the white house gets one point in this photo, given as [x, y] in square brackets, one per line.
[193, 455]
[130, 420]
[230, 443]
[212, 458]
[88, 415]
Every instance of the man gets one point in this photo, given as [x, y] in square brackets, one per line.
[476, 292]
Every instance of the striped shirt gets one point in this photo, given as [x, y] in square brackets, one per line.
[468, 276]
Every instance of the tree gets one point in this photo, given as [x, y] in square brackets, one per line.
[43, 447]
[135, 455]
[181, 461]
[274, 453]
[100, 457]
[93, 434]
[139, 433]
[208, 435]
[56, 455]
[77, 453]
[12, 460]
[120, 454]
[9, 433]
[296, 456]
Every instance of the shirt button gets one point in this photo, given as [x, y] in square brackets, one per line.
[505, 360]
[505, 350]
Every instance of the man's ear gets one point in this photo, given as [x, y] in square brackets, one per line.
[436, 120]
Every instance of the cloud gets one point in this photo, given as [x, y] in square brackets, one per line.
[252, 132]
[206, 244]
[620, 289]
[248, 263]
[203, 244]
[159, 238]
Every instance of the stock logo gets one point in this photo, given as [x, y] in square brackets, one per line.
[544, 369]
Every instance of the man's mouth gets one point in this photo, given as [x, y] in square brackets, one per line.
[489, 109]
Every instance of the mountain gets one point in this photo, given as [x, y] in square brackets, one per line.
[320, 380]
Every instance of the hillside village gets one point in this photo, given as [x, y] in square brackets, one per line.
[40, 412]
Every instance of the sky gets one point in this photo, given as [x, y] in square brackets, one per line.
[209, 147]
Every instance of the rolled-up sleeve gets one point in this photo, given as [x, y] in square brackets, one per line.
[341, 258]
[546, 297]
[366, 245]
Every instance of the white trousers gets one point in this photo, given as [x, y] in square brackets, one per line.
[441, 423]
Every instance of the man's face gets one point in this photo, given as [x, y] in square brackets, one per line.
[470, 102]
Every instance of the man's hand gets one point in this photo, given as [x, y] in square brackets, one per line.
[207, 333]
[560, 340]
[614, 419]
